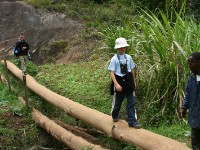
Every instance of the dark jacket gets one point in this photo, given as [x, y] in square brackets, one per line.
[19, 46]
[192, 101]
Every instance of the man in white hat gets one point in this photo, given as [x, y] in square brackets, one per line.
[123, 76]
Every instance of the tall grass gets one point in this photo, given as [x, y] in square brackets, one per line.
[167, 44]
[111, 33]
[160, 45]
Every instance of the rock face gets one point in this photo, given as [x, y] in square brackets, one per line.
[40, 28]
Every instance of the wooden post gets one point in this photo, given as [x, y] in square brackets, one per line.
[7, 72]
[25, 90]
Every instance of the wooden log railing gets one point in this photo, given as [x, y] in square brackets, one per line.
[103, 122]
[67, 137]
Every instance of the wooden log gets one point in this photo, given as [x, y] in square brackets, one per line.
[74, 142]
[58, 125]
[75, 130]
[103, 122]
[91, 131]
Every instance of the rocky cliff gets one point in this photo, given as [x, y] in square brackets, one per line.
[41, 29]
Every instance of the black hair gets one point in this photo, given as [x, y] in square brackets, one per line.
[196, 56]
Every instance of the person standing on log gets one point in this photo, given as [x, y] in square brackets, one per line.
[191, 101]
[124, 82]
[22, 46]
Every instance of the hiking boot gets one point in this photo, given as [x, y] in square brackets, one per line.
[135, 125]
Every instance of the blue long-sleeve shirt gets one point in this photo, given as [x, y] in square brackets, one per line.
[192, 101]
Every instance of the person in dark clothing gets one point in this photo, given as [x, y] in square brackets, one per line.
[124, 82]
[191, 101]
[22, 46]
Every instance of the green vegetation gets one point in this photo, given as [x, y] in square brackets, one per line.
[46, 76]
[86, 83]
[194, 9]
[73, 81]
[159, 44]
[92, 14]
[174, 131]
[166, 46]
[17, 130]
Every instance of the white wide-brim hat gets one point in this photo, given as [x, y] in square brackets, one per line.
[120, 43]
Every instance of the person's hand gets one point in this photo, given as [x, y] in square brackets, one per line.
[183, 113]
[23, 48]
[118, 88]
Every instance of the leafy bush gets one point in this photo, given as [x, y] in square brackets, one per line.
[59, 44]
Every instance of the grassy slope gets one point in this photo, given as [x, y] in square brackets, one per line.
[17, 130]
[88, 84]
[37, 137]
[92, 14]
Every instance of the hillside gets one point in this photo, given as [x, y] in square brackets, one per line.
[71, 44]
[45, 31]
[78, 89]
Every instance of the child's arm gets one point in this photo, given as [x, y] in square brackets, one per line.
[116, 84]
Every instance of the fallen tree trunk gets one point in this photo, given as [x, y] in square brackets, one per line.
[77, 131]
[60, 133]
[57, 131]
[120, 130]
[74, 142]
[88, 133]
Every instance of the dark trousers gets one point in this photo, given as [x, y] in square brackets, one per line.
[130, 107]
[195, 139]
